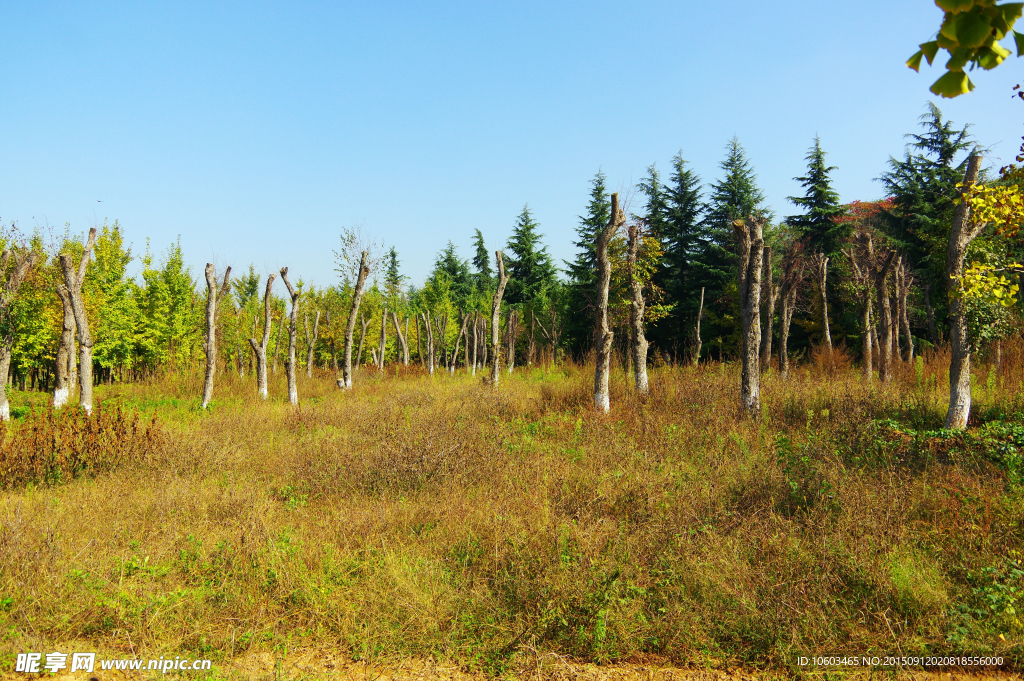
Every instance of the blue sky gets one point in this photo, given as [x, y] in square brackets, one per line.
[256, 130]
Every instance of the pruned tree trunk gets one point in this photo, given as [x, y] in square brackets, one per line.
[603, 332]
[820, 262]
[862, 277]
[483, 342]
[430, 342]
[771, 298]
[310, 341]
[260, 350]
[885, 319]
[512, 332]
[638, 340]
[383, 338]
[495, 319]
[961, 234]
[419, 345]
[65, 350]
[405, 344]
[73, 278]
[277, 343]
[903, 283]
[471, 361]
[213, 293]
[750, 235]
[364, 322]
[401, 338]
[531, 346]
[697, 343]
[293, 328]
[463, 319]
[357, 296]
[11, 283]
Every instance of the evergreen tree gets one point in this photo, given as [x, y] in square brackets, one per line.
[392, 277]
[681, 235]
[448, 267]
[656, 209]
[484, 275]
[818, 225]
[923, 186]
[530, 268]
[582, 272]
[714, 265]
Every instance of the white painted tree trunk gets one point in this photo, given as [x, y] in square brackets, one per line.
[357, 295]
[604, 335]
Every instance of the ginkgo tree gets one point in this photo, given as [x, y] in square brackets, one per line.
[970, 32]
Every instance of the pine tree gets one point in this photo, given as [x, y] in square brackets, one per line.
[923, 186]
[681, 235]
[531, 270]
[484, 275]
[714, 266]
[455, 271]
[582, 272]
[392, 277]
[818, 225]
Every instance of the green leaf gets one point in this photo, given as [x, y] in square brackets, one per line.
[973, 29]
[1010, 12]
[953, 84]
[991, 57]
[954, 6]
[930, 50]
[958, 58]
[915, 61]
[1018, 38]
[948, 28]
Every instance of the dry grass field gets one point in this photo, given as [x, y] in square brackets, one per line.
[493, 531]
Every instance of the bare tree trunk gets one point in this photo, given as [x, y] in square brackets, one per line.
[962, 233]
[357, 296]
[383, 338]
[885, 319]
[73, 281]
[65, 351]
[260, 350]
[293, 327]
[419, 346]
[903, 283]
[638, 341]
[750, 235]
[785, 319]
[441, 327]
[471, 366]
[362, 337]
[821, 281]
[495, 319]
[463, 319]
[430, 342]
[277, 343]
[310, 342]
[213, 292]
[11, 283]
[603, 332]
[771, 296]
[512, 332]
[531, 345]
[697, 343]
[484, 344]
[405, 345]
[401, 338]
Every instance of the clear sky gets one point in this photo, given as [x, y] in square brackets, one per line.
[257, 130]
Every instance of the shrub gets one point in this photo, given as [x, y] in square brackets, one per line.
[56, 446]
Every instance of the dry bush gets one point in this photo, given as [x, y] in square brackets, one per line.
[54, 447]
